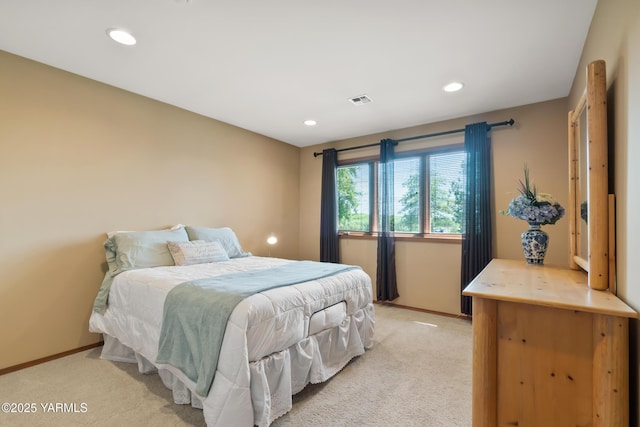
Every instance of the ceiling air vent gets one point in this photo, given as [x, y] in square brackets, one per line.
[360, 100]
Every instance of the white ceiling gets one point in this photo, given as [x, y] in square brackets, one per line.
[267, 66]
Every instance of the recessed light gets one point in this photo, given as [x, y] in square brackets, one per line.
[121, 36]
[310, 122]
[453, 87]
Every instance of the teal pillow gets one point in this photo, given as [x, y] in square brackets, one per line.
[225, 236]
[141, 249]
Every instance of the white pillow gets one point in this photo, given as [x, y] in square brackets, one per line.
[196, 252]
[110, 234]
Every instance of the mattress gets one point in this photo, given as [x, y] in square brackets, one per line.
[275, 342]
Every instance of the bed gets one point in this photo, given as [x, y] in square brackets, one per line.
[307, 323]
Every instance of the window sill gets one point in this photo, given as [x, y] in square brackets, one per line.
[404, 237]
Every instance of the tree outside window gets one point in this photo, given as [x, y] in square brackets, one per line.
[353, 198]
[441, 175]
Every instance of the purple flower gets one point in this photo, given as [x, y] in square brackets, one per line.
[540, 213]
[533, 207]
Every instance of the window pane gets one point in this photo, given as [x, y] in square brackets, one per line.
[406, 195]
[353, 197]
[446, 196]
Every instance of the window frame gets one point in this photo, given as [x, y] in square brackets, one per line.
[373, 194]
[425, 217]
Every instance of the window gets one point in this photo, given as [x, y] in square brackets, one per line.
[406, 195]
[428, 193]
[354, 197]
[446, 192]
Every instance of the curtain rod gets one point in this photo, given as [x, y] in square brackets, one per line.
[509, 122]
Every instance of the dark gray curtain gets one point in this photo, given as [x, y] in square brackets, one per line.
[476, 237]
[387, 287]
[329, 244]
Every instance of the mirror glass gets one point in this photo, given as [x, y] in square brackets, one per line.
[582, 193]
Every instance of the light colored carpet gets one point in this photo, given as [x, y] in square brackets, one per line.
[417, 374]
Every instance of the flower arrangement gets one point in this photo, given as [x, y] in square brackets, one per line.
[533, 207]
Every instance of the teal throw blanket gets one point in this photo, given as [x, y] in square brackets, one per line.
[196, 313]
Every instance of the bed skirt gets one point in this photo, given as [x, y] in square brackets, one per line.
[274, 378]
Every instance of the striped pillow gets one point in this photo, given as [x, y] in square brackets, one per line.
[196, 252]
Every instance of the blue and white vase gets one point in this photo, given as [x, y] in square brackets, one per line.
[534, 244]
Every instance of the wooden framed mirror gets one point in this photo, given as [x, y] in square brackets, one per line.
[589, 186]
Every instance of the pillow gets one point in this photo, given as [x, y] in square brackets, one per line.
[110, 249]
[141, 249]
[225, 236]
[197, 252]
[110, 234]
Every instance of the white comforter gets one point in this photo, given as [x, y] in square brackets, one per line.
[275, 343]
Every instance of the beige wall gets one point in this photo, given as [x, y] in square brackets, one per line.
[79, 158]
[615, 37]
[429, 272]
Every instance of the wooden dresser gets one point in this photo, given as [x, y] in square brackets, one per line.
[547, 349]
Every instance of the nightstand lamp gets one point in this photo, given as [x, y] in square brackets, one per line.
[271, 240]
